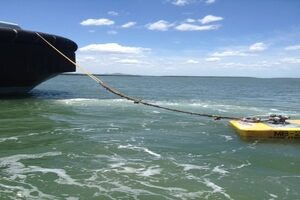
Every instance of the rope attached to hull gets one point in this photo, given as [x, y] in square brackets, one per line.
[129, 98]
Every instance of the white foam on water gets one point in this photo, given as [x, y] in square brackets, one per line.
[8, 138]
[243, 165]
[132, 147]
[129, 191]
[227, 137]
[118, 100]
[63, 177]
[19, 192]
[272, 196]
[75, 101]
[92, 101]
[216, 188]
[15, 170]
[223, 107]
[155, 112]
[129, 170]
[190, 195]
[13, 167]
[117, 165]
[188, 167]
[108, 130]
[167, 103]
[72, 198]
[170, 189]
[218, 169]
[33, 134]
[11, 163]
[140, 171]
[151, 171]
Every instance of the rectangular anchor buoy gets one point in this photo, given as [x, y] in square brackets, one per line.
[264, 129]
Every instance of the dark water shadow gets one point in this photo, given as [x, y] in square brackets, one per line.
[52, 95]
[15, 96]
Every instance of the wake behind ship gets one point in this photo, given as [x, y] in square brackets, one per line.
[26, 61]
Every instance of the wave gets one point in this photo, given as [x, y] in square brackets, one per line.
[8, 138]
[216, 188]
[132, 147]
[192, 105]
[14, 171]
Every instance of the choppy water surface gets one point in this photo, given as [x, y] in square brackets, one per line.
[72, 140]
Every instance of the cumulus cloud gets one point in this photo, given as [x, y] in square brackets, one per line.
[180, 2]
[212, 59]
[160, 25]
[113, 48]
[189, 20]
[113, 13]
[86, 59]
[128, 24]
[130, 61]
[97, 22]
[192, 27]
[258, 47]
[210, 1]
[210, 18]
[228, 54]
[292, 48]
[291, 60]
[186, 2]
[191, 61]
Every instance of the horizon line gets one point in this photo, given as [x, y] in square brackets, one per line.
[202, 76]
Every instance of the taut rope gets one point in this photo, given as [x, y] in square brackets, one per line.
[120, 94]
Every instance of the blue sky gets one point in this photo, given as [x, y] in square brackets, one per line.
[259, 38]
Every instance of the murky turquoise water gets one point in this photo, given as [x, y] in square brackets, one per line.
[72, 140]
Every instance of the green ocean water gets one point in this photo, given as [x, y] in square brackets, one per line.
[70, 139]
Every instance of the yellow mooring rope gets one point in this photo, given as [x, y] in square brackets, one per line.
[120, 94]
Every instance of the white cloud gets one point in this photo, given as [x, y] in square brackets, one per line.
[252, 65]
[258, 47]
[97, 22]
[160, 25]
[128, 24]
[189, 20]
[113, 13]
[210, 18]
[292, 48]
[180, 2]
[212, 59]
[210, 1]
[291, 60]
[113, 48]
[192, 27]
[191, 61]
[130, 61]
[112, 32]
[86, 59]
[186, 2]
[228, 54]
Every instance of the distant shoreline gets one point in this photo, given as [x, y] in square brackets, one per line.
[133, 75]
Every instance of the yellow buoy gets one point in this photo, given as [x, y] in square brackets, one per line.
[289, 130]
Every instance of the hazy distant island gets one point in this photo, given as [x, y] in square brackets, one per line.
[135, 75]
[112, 74]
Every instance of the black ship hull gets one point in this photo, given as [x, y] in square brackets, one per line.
[26, 60]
